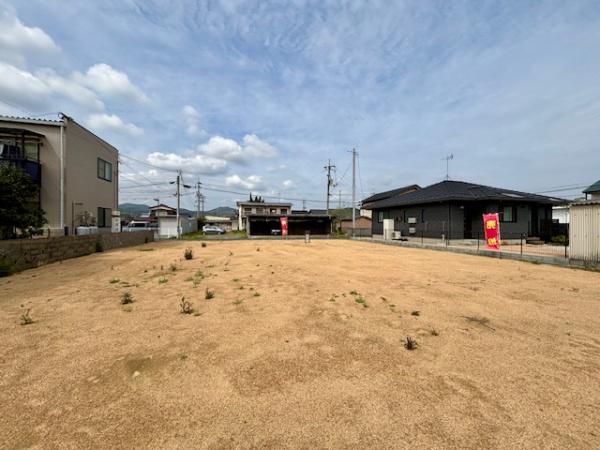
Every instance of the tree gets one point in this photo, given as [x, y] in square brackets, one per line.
[19, 209]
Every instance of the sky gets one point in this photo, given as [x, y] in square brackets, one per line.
[257, 96]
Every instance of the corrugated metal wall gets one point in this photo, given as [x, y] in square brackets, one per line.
[584, 232]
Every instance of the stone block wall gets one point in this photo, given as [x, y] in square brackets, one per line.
[21, 254]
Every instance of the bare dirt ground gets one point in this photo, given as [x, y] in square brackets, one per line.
[284, 356]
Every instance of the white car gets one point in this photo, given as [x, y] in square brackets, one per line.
[212, 229]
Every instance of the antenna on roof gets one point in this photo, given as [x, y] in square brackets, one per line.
[448, 158]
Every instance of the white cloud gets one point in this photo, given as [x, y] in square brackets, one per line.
[192, 120]
[22, 87]
[199, 164]
[287, 184]
[113, 123]
[251, 182]
[69, 89]
[16, 39]
[111, 83]
[257, 148]
[228, 149]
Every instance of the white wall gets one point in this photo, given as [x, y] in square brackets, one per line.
[167, 226]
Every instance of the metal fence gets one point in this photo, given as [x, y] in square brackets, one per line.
[514, 243]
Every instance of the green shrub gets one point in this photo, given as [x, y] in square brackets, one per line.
[5, 269]
[188, 253]
[560, 239]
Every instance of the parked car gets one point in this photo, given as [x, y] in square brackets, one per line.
[212, 229]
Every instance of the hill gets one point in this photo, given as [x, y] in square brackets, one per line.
[135, 209]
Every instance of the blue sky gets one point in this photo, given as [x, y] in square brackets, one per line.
[257, 95]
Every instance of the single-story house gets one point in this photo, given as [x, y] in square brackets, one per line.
[454, 209]
[226, 223]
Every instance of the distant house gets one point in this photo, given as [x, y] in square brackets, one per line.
[260, 208]
[454, 209]
[593, 191]
[226, 223]
[369, 201]
[163, 220]
[77, 171]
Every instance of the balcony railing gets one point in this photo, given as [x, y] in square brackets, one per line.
[32, 168]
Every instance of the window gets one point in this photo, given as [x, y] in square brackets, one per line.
[283, 210]
[104, 170]
[104, 217]
[273, 210]
[260, 210]
[248, 210]
[508, 214]
[382, 215]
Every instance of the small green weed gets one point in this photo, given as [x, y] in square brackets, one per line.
[238, 302]
[162, 280]
[114, 280]
[188, 253]
[26, 317]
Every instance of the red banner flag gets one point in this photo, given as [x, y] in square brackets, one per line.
[284, 230]
[491, 230]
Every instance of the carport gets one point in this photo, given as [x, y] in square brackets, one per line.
[298, 225]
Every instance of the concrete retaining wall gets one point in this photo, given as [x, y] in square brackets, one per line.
[21, 254]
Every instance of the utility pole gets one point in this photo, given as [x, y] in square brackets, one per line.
[199, 200]
[354, 154]
[178, 195]
[303, 205]
[340, 200]
[178, 201]
[330, 183]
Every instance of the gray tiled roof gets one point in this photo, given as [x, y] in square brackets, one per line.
[462, 191]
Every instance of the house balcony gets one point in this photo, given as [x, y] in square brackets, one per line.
[20, 148]
[32, 168]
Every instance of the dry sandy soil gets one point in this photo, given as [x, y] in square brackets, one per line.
[284, 356]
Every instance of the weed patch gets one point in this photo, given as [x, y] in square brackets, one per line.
[410, 343]
[26, 317]
[188, 253]
[185, 306]
[126, 298]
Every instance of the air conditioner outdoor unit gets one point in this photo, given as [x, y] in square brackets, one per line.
[412, 220]
[412, 230]
[397, 235]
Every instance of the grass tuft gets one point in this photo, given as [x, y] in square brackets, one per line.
[26, 318]
[415, 313]
[126, 298]
[114, 280]
[186, 306]
[208, 294]
[410, 343]
[188, 253]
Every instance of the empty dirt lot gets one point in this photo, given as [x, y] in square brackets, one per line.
[285, 356]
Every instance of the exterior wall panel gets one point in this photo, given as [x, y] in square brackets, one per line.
[584, 232]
